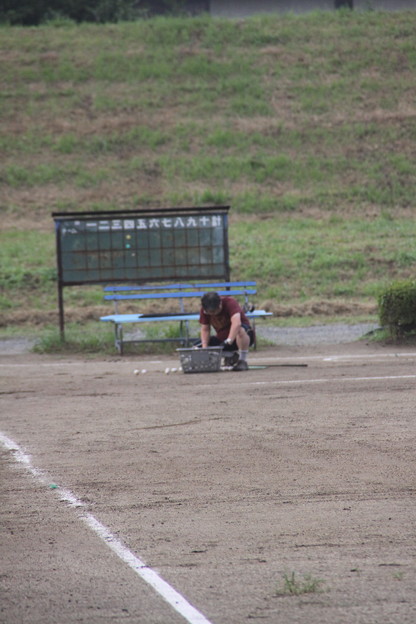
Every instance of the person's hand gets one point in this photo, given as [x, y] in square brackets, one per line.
[226, 344]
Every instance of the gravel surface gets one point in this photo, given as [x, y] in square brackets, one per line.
[290, 336]
[315, 335]
[15, 346]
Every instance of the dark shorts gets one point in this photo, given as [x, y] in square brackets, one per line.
[214, 341]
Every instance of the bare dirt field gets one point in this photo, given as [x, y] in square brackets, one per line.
[159, 499]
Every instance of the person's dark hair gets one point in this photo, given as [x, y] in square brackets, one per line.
[211, 301]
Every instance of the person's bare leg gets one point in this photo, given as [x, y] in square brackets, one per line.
[243, 340]
[243, 343]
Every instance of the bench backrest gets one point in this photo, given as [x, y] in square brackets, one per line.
[176, 287]
[178, 291]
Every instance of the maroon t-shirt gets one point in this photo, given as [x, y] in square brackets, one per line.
[222, 322]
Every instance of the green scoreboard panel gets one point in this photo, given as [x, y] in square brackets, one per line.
[142, 246]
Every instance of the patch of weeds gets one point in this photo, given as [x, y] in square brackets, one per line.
[294, 586]
[255, 203]
[6, 303]
[188, 197]
[76, 341]
[165, 331]
[214, 196]
[17, 277]
[380, 334]
[249, 106]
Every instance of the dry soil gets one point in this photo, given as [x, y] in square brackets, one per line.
[224, 483]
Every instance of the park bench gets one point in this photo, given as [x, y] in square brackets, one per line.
[181, 293]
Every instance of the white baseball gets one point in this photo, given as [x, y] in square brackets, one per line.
[136, 371]
[167, 371]
[144, 371]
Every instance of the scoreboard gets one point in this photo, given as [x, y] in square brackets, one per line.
[141, 246]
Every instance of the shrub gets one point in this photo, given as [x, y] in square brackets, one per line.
[397, 307]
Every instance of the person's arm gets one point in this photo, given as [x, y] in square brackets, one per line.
[205, 334]
[235, 326]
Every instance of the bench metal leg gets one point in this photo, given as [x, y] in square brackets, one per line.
[187, 333]
[183, 333]
[119, 338]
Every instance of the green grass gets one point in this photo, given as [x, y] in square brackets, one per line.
[303, 124]
[86, 340]
[336, 257]
[92, 338]
[292, 585]
[300, 259]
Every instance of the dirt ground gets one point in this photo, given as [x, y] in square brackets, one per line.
[222, 483]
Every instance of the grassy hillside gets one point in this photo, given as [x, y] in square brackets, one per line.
[305, 125]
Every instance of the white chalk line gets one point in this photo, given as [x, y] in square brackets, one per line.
[286, 382]
[336, 357]
[58, 364]
[152, 578]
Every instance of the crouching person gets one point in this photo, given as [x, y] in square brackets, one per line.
[233, 330]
